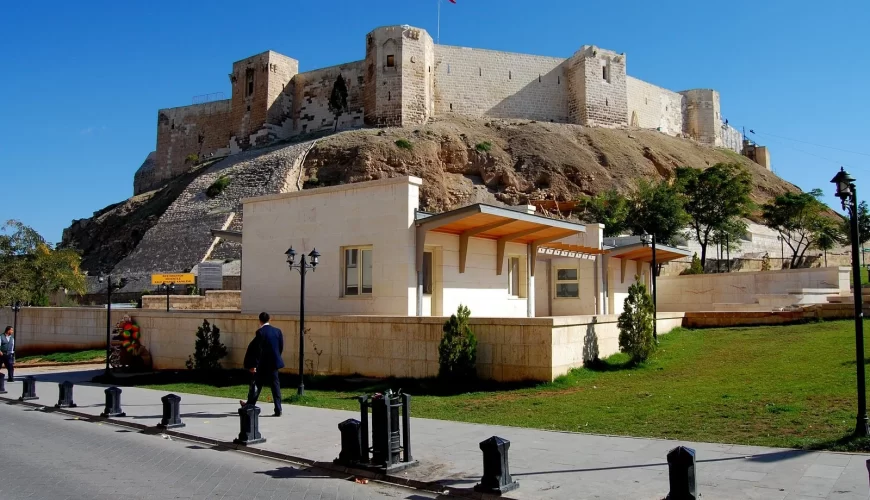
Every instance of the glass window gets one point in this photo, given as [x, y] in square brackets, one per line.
[427, 273]
[567, 283]
[357, 271]
[514, 276]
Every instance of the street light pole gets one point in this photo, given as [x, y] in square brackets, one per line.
[647, 239]
[303, 268]
[848, 195]
[16, 306]
[108, 320]
[168, 288]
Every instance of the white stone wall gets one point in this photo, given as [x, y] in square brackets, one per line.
[618, 286]
[477, 82]
[311, 98]
[731, 138]
[654, 107]
[585, 304]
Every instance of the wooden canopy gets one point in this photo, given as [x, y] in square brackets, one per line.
[642, 253]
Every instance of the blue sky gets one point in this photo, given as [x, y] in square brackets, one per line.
[82, 81]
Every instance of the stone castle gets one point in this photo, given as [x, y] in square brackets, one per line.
[406, 79]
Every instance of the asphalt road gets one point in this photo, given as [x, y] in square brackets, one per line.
[54, 456]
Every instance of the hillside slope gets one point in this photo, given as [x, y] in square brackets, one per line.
[461, 161]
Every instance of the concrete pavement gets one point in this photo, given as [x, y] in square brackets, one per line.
[548, 465]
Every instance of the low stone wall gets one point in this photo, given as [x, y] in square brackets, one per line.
[213, 300]
[724, 319]
[700, 292]
[55, 329]
[509, 349]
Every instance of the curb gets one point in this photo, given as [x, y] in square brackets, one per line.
[22, 366]
[432, 487]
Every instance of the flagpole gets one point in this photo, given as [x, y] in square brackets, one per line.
[438, 37]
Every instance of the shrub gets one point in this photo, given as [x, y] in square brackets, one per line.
[192, 159]
[208, 349]
[483, 147]
[696, 267]
[404, 144]
[217, 187]
[457, 353]
[636, 324]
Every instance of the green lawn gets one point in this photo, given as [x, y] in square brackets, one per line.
[65, 357]
[791, 386]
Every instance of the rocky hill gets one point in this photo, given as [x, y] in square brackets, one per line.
[461, 161]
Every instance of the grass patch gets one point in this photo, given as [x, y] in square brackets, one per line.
[404, 144]
[483, 147]
[65, 357]
[786, 386]
[217, 187]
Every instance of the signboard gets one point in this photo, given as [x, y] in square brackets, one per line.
[177, 278]
[211, 276]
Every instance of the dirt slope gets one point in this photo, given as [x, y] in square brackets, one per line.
[461, 161]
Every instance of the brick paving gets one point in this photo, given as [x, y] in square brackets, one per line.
[54, 456]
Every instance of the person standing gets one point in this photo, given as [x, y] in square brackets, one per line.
[263, 360]
[7, 352]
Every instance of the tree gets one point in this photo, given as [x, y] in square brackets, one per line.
[657, 208]
[609, 208]
[696, 267]
[636, 323]
[829, 237]
[714, 197]
[208, 349]
[863, 225]
[457, 352]
[798, 218]
[338, 98]
[31, 270]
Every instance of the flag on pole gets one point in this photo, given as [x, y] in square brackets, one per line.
[452, 1]
[438, 35]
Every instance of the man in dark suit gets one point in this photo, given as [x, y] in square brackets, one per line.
[263, 360]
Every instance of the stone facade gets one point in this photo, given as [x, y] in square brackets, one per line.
[405, 80]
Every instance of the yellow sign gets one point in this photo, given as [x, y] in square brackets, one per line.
[177, 278]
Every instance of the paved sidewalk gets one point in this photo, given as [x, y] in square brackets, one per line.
[548, 465]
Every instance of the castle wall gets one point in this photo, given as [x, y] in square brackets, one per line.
[654, 107]
[478, 82]
[731, 138]
[312, 90]
[597, 88]
[703, 118]
[198, 129]
[382, 98]
[257, 83]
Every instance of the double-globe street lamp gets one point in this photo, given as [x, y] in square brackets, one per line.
[167, 288]
[650, 240]
[849, 197]
[109, 288]
[303, 268]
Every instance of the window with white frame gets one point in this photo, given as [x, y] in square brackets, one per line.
[567, 283]
[357, 276]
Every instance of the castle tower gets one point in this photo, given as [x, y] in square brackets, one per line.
[399, 83]
[702, 120]
[597, 88]
[257, 83]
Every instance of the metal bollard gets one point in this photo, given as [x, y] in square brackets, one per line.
[65, 395]
[113, 403]
[2, 383]
[868, 466]
[681, 472]
[28, 388]
[249, 426]
[171, 412]
[496, 478]
[351, 443]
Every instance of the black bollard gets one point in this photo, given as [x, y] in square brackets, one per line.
[2, 383]
[681, 471]
[28, 388]
[249, 426]
[113, 403]
[171, 412]
[351, 443]
[496, 478]
[65, 395]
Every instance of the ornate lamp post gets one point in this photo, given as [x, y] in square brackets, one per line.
[16, 306]
[849, 197]
[109, 289]
[647, 240]
[167, 289]
[303, 268]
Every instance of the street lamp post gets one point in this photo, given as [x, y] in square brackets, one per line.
[303, 268]
[16, 306]
[848, 195]
[167, 288]
[110, 286]
[648, 239]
